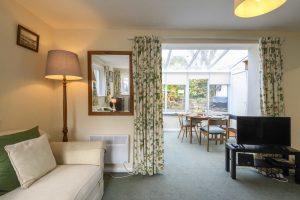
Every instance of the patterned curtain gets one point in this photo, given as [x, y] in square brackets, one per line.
[147, 79]
[94, 89]
[271, 72]
[95, 96]
[117, 82]
[271, 92]
[107, 82]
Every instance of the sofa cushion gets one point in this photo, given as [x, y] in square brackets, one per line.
[65, 182]
[79, 153]
[8, 177]
[31, 159]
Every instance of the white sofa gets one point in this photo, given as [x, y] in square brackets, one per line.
[78, 175]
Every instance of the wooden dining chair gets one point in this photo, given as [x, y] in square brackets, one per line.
[185, 127]
[231, 126]
[215, 128]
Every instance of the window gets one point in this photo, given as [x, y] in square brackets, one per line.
[198, 95]
[100, 81]
[174, 98]
[197, 77]
[125, 84]
[218, 98]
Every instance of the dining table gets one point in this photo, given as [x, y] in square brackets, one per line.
[199, 117]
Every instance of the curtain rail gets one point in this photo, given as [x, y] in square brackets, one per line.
[221, 38]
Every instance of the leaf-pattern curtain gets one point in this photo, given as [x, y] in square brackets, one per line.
[94, 93]
[148, 123]
[95, 96]
[117, 83]
[271, 92]
[107, 82]
[272, 102]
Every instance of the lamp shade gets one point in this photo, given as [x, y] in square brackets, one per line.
[253, 8]
[113, 100]
[62, 64]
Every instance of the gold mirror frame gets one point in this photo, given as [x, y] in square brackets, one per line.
[90, 81]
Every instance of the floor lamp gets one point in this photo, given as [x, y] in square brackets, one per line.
[63, 65]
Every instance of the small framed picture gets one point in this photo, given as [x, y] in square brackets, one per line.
[27, 39]
[111, 76]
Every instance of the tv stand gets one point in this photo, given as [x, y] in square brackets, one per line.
[232, 149]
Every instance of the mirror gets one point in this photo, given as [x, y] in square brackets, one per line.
[110, 83]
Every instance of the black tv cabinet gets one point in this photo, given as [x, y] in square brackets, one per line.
[232, 149]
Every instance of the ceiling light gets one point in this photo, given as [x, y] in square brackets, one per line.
[253, 8]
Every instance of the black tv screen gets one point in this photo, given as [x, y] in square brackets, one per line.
[264, 130]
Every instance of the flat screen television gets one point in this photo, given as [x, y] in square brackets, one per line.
[264, 130]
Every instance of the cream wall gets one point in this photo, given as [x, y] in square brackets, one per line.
[80, 41]
[291, 84]
[28, 99]
[25, 95]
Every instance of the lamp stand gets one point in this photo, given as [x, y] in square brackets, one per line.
[65, 128]
[114, 107]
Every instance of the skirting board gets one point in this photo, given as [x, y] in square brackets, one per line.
[116, 169]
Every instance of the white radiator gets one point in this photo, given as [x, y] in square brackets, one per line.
[116, 148]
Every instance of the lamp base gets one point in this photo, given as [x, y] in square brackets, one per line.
[65, 112]
[65, 134]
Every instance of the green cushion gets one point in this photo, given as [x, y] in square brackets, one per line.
[213, 129]
[8, 177]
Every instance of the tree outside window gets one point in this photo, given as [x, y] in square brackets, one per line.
[198, 95]
[174, 96]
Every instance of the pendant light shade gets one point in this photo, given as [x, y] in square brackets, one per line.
[253, 8]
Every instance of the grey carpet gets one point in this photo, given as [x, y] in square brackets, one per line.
[192, 173]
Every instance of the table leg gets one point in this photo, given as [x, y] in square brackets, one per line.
[191, 126]
[286, 172]
[233, 164]
[227, 159]
[297, 169]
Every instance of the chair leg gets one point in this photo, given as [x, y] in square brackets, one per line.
[222, 136]
[207, 142]
[196, 133]
[200, 137]
[183, 133]
[216, 139]
[179, 132]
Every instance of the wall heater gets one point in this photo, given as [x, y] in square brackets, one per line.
[117, 148]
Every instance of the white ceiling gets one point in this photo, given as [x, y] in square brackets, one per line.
[158, 14]
[114, 61]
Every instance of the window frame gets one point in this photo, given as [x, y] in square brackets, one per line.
[100, 85]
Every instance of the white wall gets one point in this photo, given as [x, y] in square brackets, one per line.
[238, 93]
[253, 82]
[25, 95]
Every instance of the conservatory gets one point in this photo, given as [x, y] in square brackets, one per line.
[210, 78]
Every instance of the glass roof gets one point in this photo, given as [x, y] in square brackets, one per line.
[199, 60]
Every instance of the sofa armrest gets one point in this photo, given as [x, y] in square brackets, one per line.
[68, 153]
